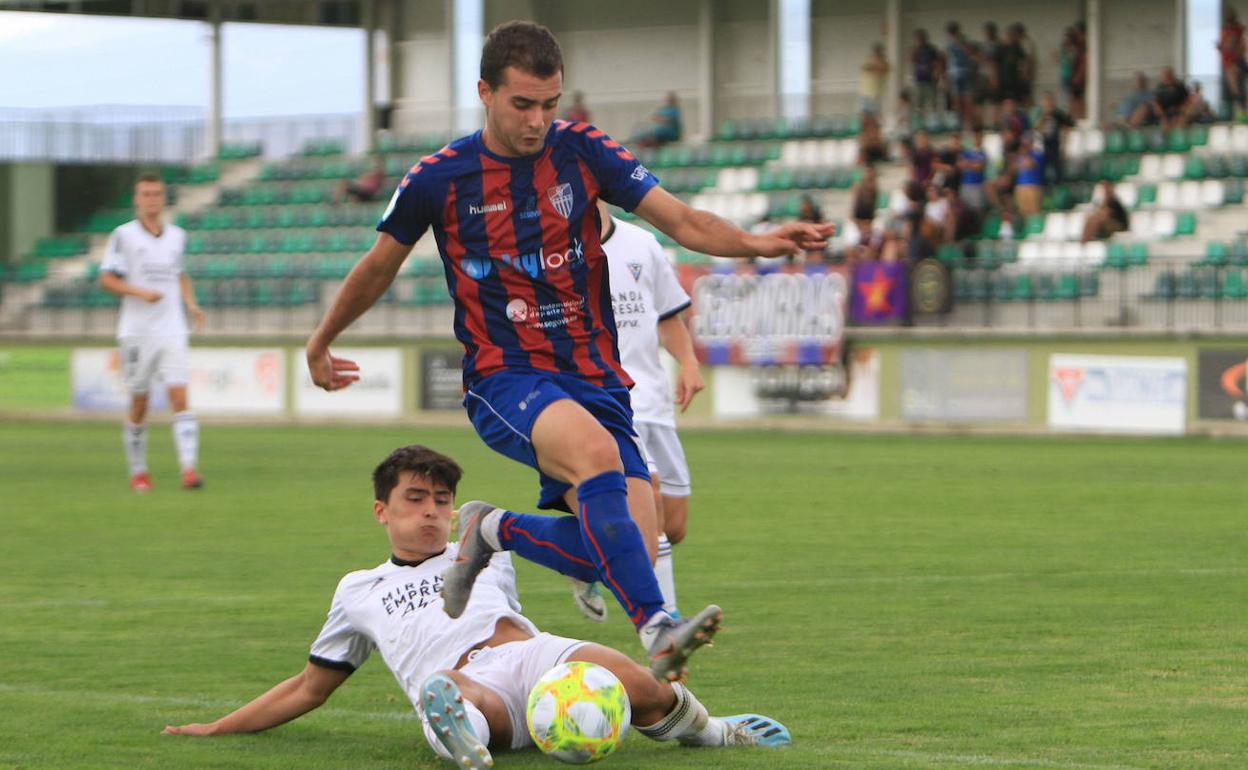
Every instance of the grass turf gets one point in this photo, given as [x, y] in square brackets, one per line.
[899, 602]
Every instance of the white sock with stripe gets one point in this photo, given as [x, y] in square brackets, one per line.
[688, 722]
[663, 571]
[186, 438]
[134, 439]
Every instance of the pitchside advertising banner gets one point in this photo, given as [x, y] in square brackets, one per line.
[964, 385]
[1129, 394]
[1223, 380]
[442, 379]
[378, 392]
[225, 381]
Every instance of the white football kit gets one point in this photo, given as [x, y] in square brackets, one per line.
[152, 335]
[396, 609]
[645, 291]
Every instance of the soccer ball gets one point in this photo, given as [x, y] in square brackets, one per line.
[578, 712]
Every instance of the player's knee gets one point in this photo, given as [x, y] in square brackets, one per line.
[675, 532]
[600, 455]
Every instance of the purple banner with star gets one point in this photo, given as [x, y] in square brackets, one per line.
[879, 293]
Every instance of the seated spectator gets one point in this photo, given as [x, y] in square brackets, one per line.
[365, 187]
[578, 112]
[1029, 182]
[872, 147]
[945, 171]
[921, 158]
[1107, 217]
[1136, 109]
[874, 73]
[1197, 109]
[972, 166]
[666, 128]
[903, 118]
[940, 218]
[863, 196]
[1169, 100]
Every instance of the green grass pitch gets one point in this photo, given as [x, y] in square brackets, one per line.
[899, 602]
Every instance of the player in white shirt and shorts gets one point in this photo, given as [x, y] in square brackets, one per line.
[468, 677]
[648, 302]
[143, 266]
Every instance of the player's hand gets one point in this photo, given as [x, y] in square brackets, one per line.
[330, 372]
[688, 384]
[197, 317]
[191, 729]
[152, 296]
[793, 238]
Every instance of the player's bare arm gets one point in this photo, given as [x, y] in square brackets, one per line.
[706, 233]
[115, 284]
[675, 338]
[188, 300]
[287, 700]
[368, 280]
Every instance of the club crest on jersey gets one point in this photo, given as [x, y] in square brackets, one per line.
[561, 197]
[635, 269]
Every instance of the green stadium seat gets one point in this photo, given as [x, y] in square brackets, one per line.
[1044, 287]
[1090, 285]
[1137, 254]
[1233, 286]
[1185, 224]
[1164, 286]
[1023, 288]
[1115, 142]
[1067, 287]
[1177, 141]
[1216, 254]
[1239, 252]
[1186, 286]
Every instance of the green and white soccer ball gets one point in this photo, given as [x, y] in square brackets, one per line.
[578, 712]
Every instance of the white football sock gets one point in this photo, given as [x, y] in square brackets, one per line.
[687, 722]
[134, 439]
[186, 438]
[663, 571]
[489, 528]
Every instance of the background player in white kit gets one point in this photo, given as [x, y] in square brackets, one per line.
[482, 664]
[143, 266]
[648, 302]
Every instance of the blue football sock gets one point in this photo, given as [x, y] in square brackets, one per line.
[551, 541]
[614, 544]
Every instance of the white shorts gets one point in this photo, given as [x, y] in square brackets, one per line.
[511, 670]
[143, 359]
[666, 458]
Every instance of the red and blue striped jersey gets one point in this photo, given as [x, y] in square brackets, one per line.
[520, 246]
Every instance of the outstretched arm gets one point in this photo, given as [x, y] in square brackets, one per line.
[286, 701]
[706, 233]
[674, 335]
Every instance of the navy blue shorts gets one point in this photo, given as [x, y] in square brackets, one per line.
[504, 406]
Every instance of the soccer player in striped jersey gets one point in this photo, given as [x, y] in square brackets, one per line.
[513, 210]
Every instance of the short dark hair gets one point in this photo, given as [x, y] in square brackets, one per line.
[148, 176]
[417, 459]
[525, 45]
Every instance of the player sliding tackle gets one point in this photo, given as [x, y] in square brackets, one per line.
[513, 210]
[468, 678]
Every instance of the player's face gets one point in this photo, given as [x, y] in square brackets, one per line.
[417, 517]
[149, 198]
[519, 112]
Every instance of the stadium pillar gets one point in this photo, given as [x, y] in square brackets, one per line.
[215, 129]
[1096, 62]
[467, 38]
[793, 52]
[706, 73]
[1180, 39]
[892, 49]
[368, 20]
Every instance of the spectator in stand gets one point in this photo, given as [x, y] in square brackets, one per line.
[989, 83]
[1051, 124]
[904, 117]
[1011, 61]
[577, 112]
[962, 74]
[666, 126]
[1029, 183]
[872, 147]
[1108, 215]
[945, 171]
[862, 199]
[902, 239]
[926, 67]
[972, 165]
[922, 158]
[874, 73]
[1073, 69]
[940, 218]
[365, 187]
[1169, 100]
[809, 211]
[1136, 109]
[1014, 124]
[1027, 68]
[1197, 109]
[1231, 48]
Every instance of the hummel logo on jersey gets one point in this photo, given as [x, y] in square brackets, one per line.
[561, 197]
[532, 264]
[640, 172]
[487, 208]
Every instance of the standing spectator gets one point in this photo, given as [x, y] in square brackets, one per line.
[1029, 183]
[962, 74]
[1051, 125]
[1169, 100]
[874, 72]
[1136, 109]
[1011, 62]
[922, 158]
[578, 112]
[1232, 48]
[1027, 69]
[989, 83]
[1107, 217]
[972, 165]
[904, 119]
[925, 63]
[863, 197]
[1073, 69]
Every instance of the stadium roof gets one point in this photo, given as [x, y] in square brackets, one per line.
[321, 13]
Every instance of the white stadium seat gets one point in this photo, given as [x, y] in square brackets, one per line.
[1054, 227]
[1167, 195]
[790, 154]
[1212, 193]
[1072, 253]
[847, 152]
[747, 179]
[1127, 193]
[1094, 253]
[993, 147]
[1142, 224]
[1220, 139]
[1172, 166]
[1189, 195]
[1164, 224]
[1093, 142]
[1239, 139]
[1073, 148]
[1074, 225]
[1029, 252]
[1150, 167]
